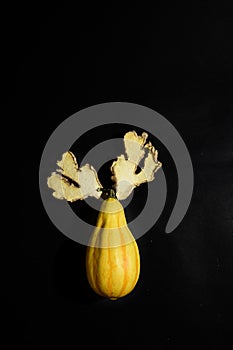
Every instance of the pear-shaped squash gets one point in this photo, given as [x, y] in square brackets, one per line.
[112, 256]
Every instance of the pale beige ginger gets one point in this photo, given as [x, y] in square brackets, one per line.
[73, 183]
[124, 168]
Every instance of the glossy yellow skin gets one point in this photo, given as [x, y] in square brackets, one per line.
[112, 257]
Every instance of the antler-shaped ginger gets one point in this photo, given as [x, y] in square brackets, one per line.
[72, 183]
[123, 169]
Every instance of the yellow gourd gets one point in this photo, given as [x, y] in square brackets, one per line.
[112, 256]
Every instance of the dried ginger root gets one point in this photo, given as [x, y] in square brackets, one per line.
[71, 182]
[124, 168]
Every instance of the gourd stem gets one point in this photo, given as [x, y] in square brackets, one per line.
[108, 192]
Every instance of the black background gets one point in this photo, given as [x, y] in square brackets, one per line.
[178, 61]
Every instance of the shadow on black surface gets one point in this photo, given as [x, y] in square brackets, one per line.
[69, 274]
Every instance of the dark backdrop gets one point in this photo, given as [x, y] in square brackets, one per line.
[178, 61]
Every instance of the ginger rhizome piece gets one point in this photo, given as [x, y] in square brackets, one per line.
[71, 182]
[124, 168]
